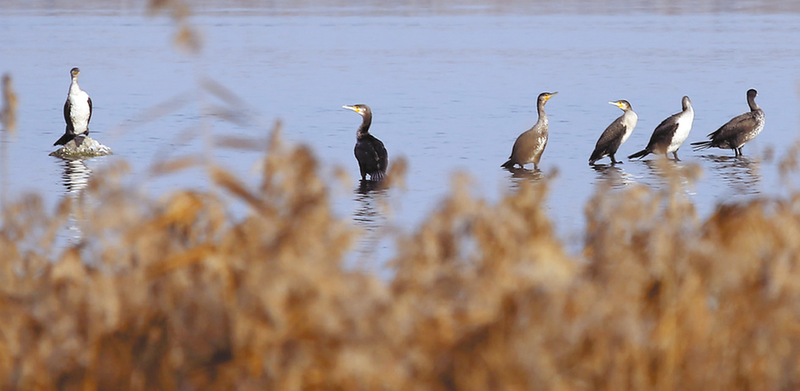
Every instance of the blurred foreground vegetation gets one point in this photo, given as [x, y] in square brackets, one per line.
[174, 294]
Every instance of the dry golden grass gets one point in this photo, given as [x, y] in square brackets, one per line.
[173, 294]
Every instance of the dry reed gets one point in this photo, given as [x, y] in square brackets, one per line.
[175, 294]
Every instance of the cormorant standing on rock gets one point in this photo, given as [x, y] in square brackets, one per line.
[77, 112]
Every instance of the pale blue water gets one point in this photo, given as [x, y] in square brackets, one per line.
[450, 88]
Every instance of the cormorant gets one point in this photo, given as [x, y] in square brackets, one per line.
[77, 112]
[616, 133]
[738, 131]
[530, 144]
[370, 152]
[670, 133]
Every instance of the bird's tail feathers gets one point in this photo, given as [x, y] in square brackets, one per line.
[377, 176]
[64, 139]
[639, 154]
[700, 145]
[595, 157]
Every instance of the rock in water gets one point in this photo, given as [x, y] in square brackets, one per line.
[89, 148]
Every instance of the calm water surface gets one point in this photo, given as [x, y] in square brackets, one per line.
[450, 92]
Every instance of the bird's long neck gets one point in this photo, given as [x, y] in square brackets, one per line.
[363, 130]
[542, 115]
[74, 87]
[630, 115]
[687, 108]
[751, 101]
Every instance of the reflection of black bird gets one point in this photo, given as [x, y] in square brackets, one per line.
[738, 131]
[77, 112]
[370, 152]
[670, 133]
[530, 144]
[615, 134]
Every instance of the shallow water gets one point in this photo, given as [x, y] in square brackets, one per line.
[450, 86]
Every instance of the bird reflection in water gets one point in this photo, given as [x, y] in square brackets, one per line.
[666, 173]
[75, 178]
[520, 175]
[741, 173]
[613, 175]
[371, 197]
[524, 173]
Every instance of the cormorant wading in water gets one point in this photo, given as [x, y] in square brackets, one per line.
[670, 133]
[370, 152]
[530, 144]
[77, 112]
[615, 134]
[738, 131]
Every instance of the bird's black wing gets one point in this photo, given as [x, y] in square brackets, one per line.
[383, 156]
[68, 117]
[610, 140]
[371, 155]
[736, 127]
[662, 136]
[90, 115]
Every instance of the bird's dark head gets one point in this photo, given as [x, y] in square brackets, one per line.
[545, 96]
[622, 104]
[74, 72]
[751, 93]
[686, 102]
[360, 109]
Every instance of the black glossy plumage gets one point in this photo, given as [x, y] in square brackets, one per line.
[369, 151]
[738, 131]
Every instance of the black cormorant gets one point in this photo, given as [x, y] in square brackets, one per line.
[615, 134]
[530, 144]
[77, 112]
[738, 131]
[370, 152]
[670, 133]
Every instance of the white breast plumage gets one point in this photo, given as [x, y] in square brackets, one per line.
[682, 131]
[629, 120]
[79, 110]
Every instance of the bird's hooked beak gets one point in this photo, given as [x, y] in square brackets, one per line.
[550, 96]
[617, 103]
[354, 108]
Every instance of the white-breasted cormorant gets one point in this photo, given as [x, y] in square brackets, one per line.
[77, 112]
[670, 133]
[738, 131]
[530, 144]
[370, 152]
[615, 134]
